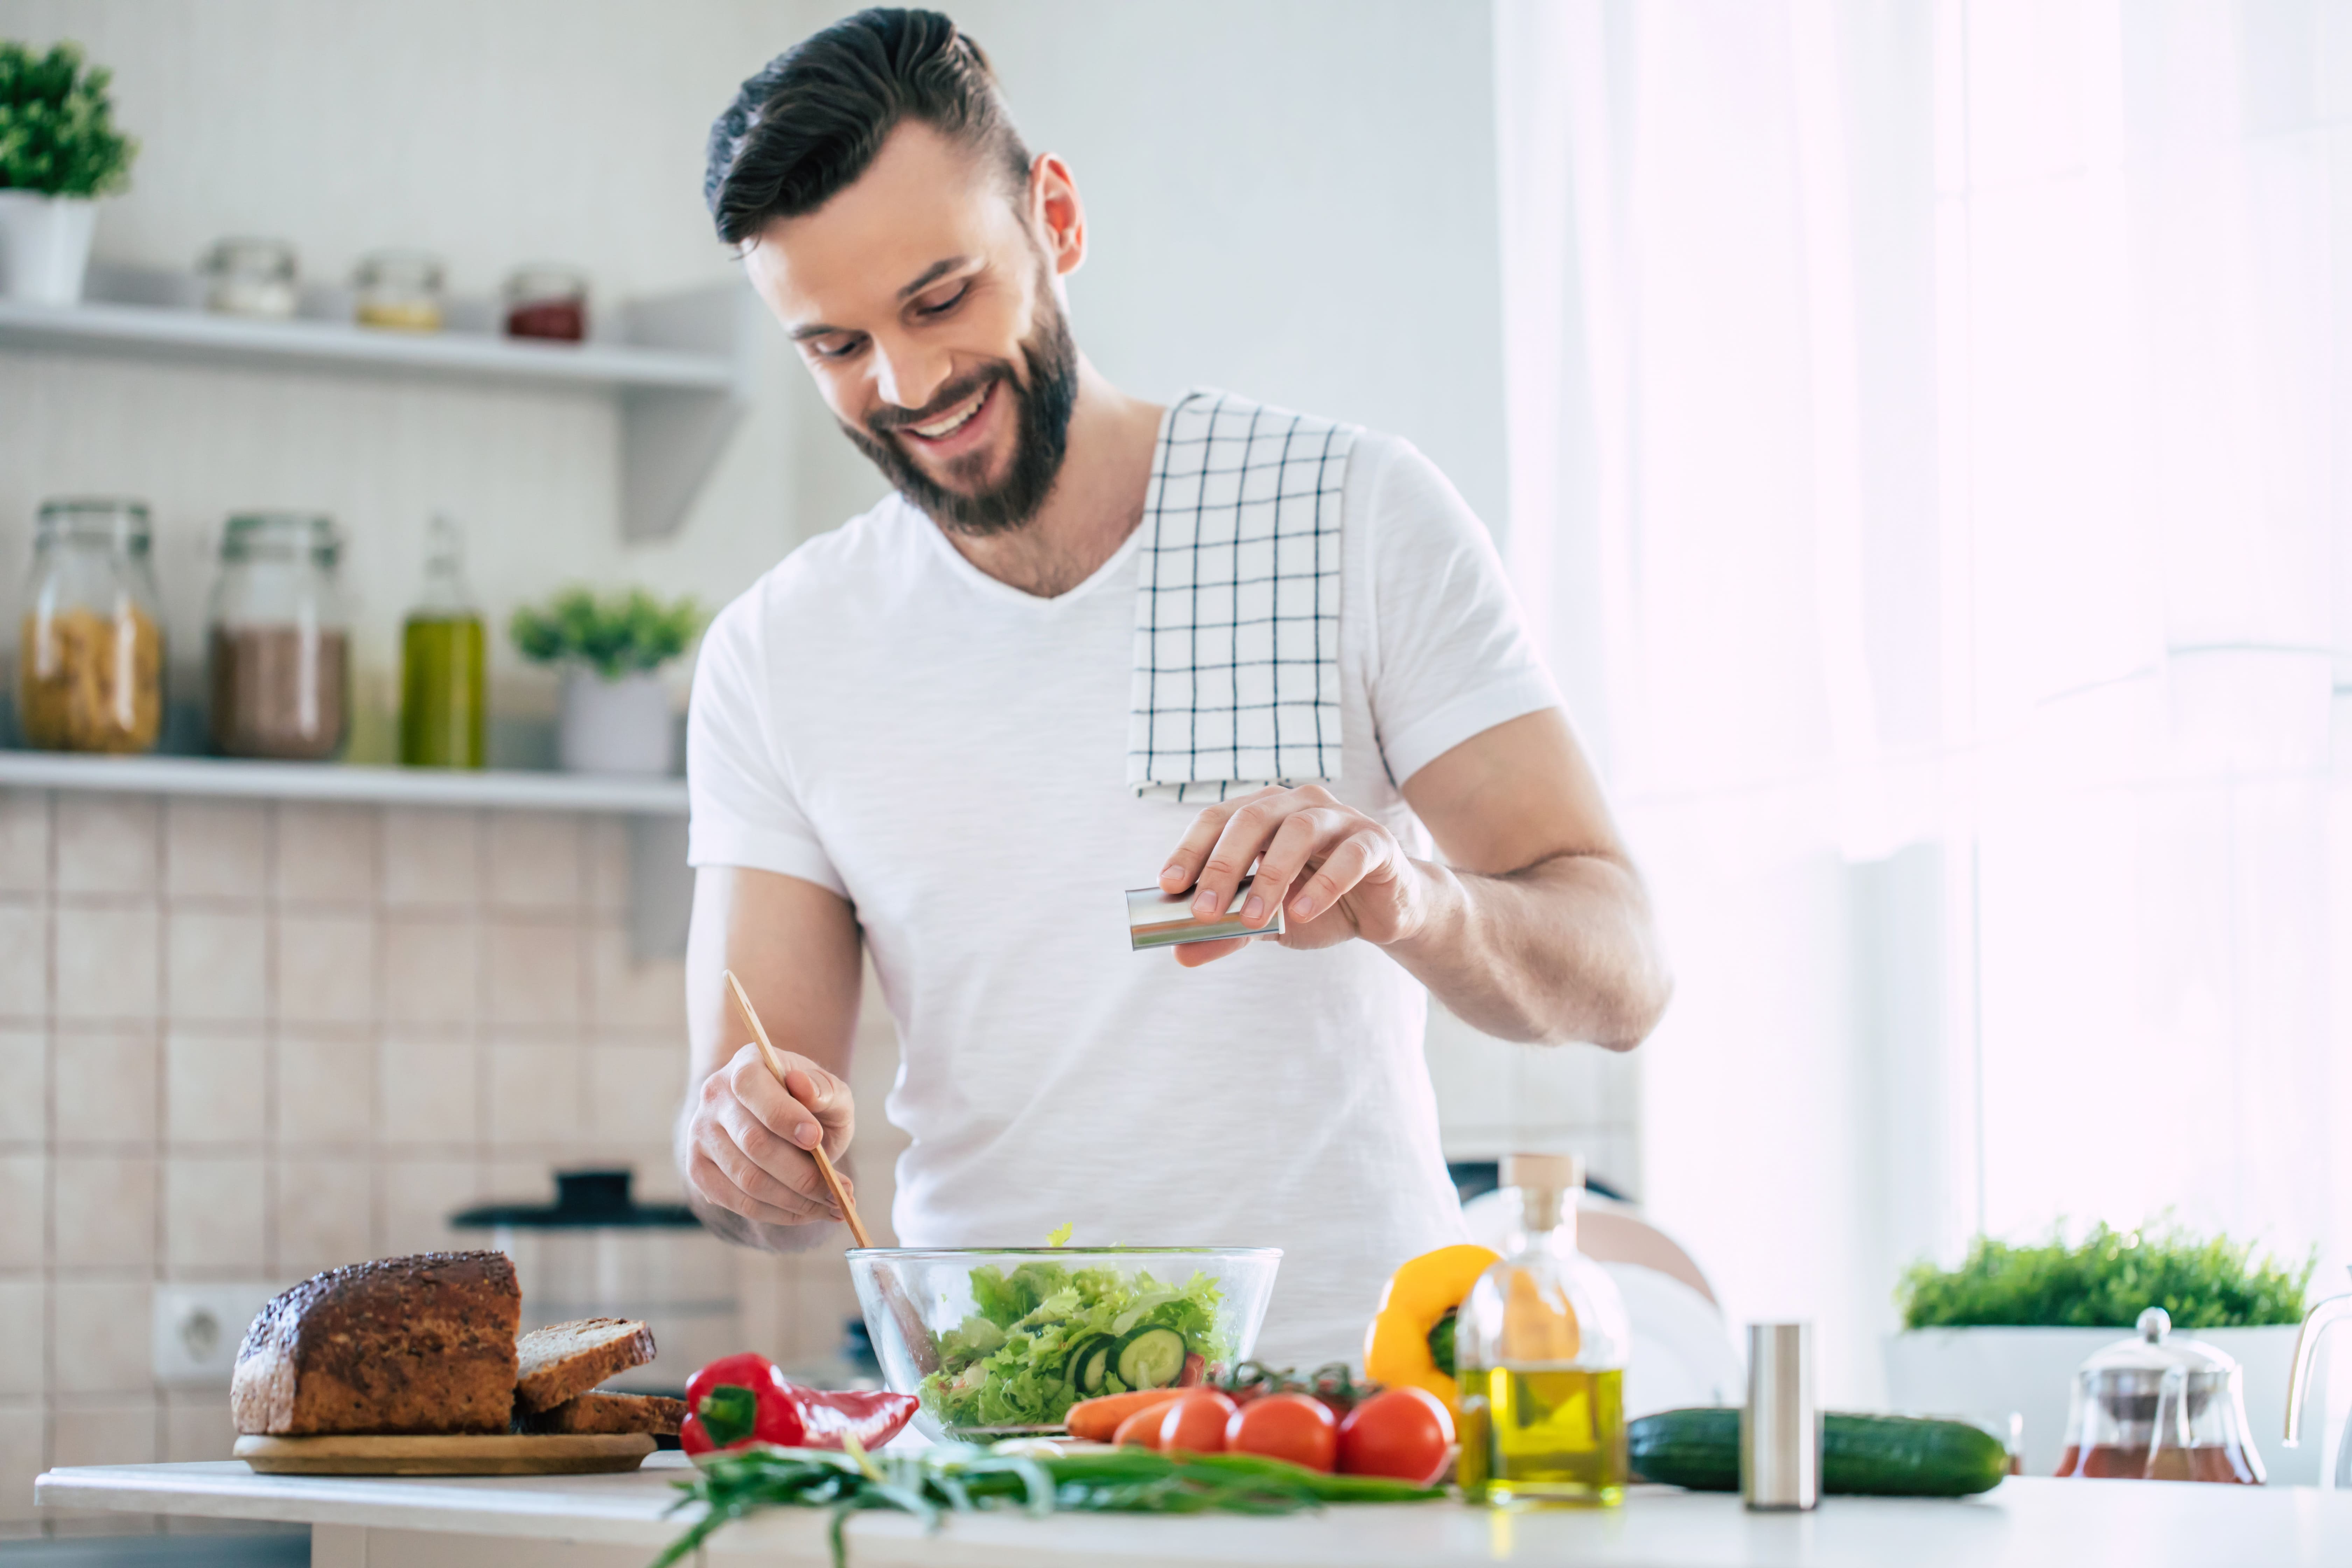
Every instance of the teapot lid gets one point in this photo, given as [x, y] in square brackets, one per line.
[2152, 1350]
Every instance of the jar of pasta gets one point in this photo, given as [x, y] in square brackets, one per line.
[89, 673]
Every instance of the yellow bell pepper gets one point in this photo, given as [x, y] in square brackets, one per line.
[1420, 1295]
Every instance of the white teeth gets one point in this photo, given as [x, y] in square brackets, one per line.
[952, 422]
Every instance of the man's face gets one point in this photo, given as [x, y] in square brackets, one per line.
[926, 310]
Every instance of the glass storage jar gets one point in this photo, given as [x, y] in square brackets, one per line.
[89, 675]
[549, 302]
[400, 289]
[279, 640]
[250, 278]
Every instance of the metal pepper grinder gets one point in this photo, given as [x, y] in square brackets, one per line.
[1780, 1430]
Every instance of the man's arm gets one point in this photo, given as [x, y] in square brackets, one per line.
[743, 1138]
[1534, 928]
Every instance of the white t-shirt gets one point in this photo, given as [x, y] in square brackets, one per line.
[879, 717]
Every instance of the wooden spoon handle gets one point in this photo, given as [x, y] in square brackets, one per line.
[768, 1054]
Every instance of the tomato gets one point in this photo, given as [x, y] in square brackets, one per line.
[1195, 1423]
[1403, 1432]
[1293, 1426]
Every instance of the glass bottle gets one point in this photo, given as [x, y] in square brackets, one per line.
[90, 672]
[1540, 1344]
[281, 641]
[443, 653]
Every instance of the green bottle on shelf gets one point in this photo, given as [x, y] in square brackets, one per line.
[443, 654]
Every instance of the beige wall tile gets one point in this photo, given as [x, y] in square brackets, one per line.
[106, 962]
[326, 1092]
[607, 864]
[24, 1186]
[536, 1093]
[215, 1213]
[106, 1088]
[413, 1201]
[323, 1215]
[197, 1427]
[24, 961]
[534, 861]
[24, 1349]
[326, 968]
[96, 1430]
[216, 849]
[520, 1181]
[431, 858]
[105, 1211]
[24, 841]
[326, 854]
[534, 973]
[431, 969]
[645, 999]
[216, 965]
[107, 842]
[426, 1091]
[633, 1090]
[215, 1089]
[22, 1438]
[102, 1328]
[24, 1085]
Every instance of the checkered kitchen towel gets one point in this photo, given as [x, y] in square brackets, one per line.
[1237, 608]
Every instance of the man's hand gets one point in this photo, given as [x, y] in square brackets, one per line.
[747, 1138]
[1335, 872]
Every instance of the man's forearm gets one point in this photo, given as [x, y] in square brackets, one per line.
[1562, 951]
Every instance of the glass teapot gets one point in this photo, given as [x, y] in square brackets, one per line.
[2159, 1409]
[2315, 1322]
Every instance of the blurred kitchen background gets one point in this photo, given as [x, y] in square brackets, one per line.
[1910, 424]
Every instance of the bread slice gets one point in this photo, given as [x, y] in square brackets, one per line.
[568, 1359]
[598, 1411]
[402, 1345]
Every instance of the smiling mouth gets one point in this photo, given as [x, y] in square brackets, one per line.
[955, 419]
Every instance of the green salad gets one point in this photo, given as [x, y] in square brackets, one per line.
[1045, 1337]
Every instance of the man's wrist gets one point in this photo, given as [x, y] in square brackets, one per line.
[1443, 908]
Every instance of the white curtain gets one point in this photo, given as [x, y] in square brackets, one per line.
[1931, 453]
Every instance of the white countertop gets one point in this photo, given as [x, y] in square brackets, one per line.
[2147, 1524]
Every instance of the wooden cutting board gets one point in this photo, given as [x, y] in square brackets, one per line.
[485, 1454]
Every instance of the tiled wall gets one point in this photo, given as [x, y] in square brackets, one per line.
[250, 1041]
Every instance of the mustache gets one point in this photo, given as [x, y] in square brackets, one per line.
[885, 421]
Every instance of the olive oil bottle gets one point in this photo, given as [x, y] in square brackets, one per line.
[1540, 1346]
[442, 659]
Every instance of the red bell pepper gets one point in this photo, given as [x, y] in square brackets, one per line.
[740, 1400]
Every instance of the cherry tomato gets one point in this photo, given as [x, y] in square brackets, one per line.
[1403, 1432]
[1195, 1423]
[1293, 1426]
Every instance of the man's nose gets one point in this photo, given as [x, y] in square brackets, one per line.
[908, 376]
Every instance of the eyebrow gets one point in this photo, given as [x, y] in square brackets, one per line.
[930, 275]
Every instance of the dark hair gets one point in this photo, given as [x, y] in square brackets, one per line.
[810, 123]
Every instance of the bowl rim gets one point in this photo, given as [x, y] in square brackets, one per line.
[875, 1253]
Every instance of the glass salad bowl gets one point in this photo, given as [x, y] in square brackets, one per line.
[1000, 1341]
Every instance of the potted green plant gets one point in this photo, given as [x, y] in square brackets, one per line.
[615, 712]
[59, 152]
[2002, 1334]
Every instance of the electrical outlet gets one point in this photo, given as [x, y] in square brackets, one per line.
[198, 1327]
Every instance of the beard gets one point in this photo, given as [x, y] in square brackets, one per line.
[1042, 396]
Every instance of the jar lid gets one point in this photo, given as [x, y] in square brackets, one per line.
[252, 533]
[250, 256]
[1545, 1172]
[93, 519]
[545, 281]
[418, 269]
[2151, 1352]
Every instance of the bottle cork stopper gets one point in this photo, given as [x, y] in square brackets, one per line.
[1543, 1172]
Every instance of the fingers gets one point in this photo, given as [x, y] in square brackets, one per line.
[711, 1183]
[1193, 955]
[809, 1104]
[1244, 832]
[1360, 857]
[825, 1096]
[1183, 867]
[1294, 846]
[752, 1136]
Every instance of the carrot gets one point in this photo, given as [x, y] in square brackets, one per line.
[1097, 1420]
[1144, 1427]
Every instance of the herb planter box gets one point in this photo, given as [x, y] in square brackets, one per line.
[1985, 1374]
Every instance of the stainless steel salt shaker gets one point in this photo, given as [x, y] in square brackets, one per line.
[1781, 1431]
[1155, 919]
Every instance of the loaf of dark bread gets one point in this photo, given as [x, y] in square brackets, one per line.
[598, 1411]
[414, 1344]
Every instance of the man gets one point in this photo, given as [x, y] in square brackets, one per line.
[951, 731]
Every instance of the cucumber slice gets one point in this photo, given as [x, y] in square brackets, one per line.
[1089, 1363]
[1151, 1358]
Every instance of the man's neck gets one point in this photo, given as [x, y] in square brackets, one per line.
[1096, 502]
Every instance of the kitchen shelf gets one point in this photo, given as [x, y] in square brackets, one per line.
[224, 776]
[679, 369]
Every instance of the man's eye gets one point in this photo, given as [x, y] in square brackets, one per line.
[835, 348]
[944, 306]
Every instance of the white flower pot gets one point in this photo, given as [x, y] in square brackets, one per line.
[614, 726]
[44, 246]
[1985, 1374]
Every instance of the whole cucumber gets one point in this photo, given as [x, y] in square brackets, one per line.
[1878, 1456]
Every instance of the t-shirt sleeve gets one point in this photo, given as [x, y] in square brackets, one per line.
[744, 809]
[1453, 656]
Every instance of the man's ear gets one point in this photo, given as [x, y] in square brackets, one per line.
[1057, 214]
